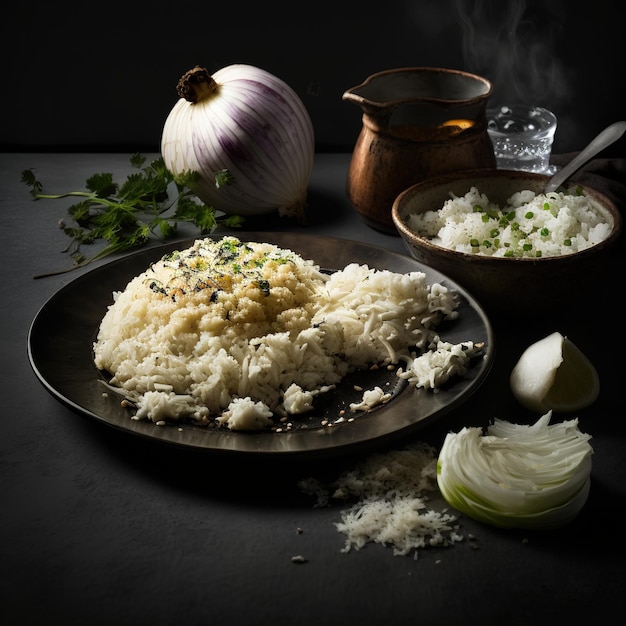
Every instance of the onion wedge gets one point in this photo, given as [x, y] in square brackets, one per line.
[553, 374]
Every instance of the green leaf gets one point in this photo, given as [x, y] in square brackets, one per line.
[81, 212]
[139, 237]
[127, 215]
[29, 178]
[137, 160]
[223, 178]
[233, 221]
[201, 215]
[165, 227]
[102, 185]
[159, 169]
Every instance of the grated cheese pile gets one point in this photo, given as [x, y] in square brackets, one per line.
[390, 492]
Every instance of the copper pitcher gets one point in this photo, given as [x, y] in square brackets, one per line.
[418, 122]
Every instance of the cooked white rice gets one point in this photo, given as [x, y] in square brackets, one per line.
[234, 333]
[529, 224]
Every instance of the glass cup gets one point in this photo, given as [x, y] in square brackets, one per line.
[522, 137]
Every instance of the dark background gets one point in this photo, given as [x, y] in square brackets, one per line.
[102, 77]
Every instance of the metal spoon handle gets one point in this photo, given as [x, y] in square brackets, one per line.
[608, 136]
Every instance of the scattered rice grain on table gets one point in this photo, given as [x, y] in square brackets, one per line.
[390, 495]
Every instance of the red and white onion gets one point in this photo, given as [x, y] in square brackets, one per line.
[252, 124]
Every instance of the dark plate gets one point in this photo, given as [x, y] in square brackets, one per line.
[61, 338]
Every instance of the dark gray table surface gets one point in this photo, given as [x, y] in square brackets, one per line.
[100, 527]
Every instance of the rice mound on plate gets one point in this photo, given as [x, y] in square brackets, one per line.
[528, 225]
[230, 333]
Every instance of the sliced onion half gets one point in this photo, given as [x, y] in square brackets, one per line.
[515, 475]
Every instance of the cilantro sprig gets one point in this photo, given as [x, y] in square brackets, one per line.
[149, 204]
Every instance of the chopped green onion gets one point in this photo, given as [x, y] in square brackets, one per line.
[494, 232]
[545, 232]
[529, 215]
[567, 242]
[474, 243]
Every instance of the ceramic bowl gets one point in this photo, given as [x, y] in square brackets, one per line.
[502, 284]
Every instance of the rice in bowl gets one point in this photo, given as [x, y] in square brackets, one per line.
[529, 224]
[237, 334]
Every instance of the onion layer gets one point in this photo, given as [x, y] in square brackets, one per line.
[247, 122]
[516, 475]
